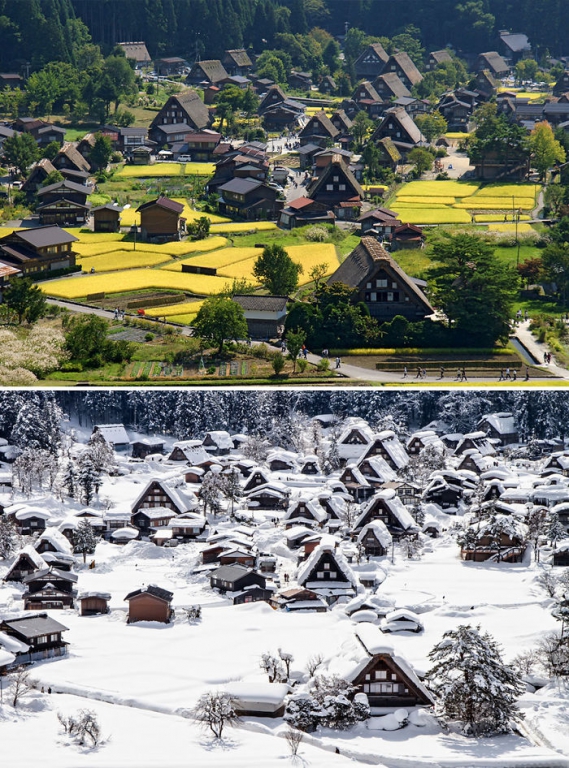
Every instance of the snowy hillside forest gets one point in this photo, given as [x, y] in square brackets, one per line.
[239, 574]
[183, 413]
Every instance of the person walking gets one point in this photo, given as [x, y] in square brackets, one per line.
[419, 372]
[514, 375]
[464, 375]
[442, 372]
[508, 377]
[501, 378]
[338, 362]
[405, 372]
[458, 376]
[527, 374]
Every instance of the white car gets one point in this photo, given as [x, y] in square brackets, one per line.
[184, 158]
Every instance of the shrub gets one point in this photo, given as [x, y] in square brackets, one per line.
[149, 337]
[302, 365]
[316, 234]
[210, 370]
[278, 363]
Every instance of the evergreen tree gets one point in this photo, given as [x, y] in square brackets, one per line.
[69, 480]
[472, 684]
[210, 492]
[8, 537]
[88, 478]
[84, 539]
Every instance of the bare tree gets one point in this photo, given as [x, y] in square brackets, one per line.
[548, 582]
[313, 663]
[194, 613]
[537, 521]
[293, 738]
[349, 514]
[88, 728]
[68, 723]
[553, 652]
[526, 661]
[20, 685]
[216, 710]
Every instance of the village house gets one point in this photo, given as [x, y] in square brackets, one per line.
[161, 220]
[305, 511]
[493, 62]
[399, 126]
[279, 112]
[43, 132]
[249, 199]
[147, 446]
[407, 237]
[170, 65]
[389, 87]
[185, 110]
[387, 679]
[137, 52]
[150, 603]
[402, 65]
[298, 599]
[41, 249]
[237, 62]
[235, 578]
[381, 283]
[303, 211]
[319, 130]
[28, 520]
[265, 315]
[386, 506]
[157, 493]
[187, 526]
[40, 636]
[503, 539]
[27, 561]
[206, 72]
[376, 470]
[356, 484]
[379, 223]
[499, 426]
[337, 189]
[49, 588]
[63, 203]
[371, 61]
[327, 573]
[149, 519]
[114, 434]
[374, 539]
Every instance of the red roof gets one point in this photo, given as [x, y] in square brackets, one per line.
[300, 202]
[163, 202]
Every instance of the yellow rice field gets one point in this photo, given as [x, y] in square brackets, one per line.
[441, 215]
[166, 250]
[428, 189]
[117, 260]
[482, 217]
[415, 199]
[183, 319]
[509, 190]
[496, 203]
[307, 255]
[133, 280]
[165, 169]
[243, 226]
[218, 260]
[129, 217]
[186, 308]
[511, 227]
[86, 236]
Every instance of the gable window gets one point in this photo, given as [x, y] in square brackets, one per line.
[381, 674]
[381, 283]
[329, 187]
[336, 179]
[342, 187]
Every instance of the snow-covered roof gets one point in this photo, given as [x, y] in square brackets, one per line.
[26, 512]
[94, 593]
[249, 694]
[356, 474]
[395, 506]
[182, 500]
[57, 540]
[286, 457]
[34, 556]
[503, 423]
[12, 644]
[381, 468]
[114, 434]
[394, 448]
[6, 658]
[308, 566]
[187, 521]
[221, 439]
[193, 450]
[125, 533]
[313, 509]
[156, 513]
[380, 531]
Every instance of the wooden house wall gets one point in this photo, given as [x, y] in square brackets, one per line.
[144, 607]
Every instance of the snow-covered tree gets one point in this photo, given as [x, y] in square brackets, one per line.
[472, 684]
[339, 708]
[88, 478]
[69, 479]
[556, 530]
[34, 468]
[211, 491]
[232, 488]
[215, 711]
[21, 685]
[84, 539]
[553, 652]
[331, 460]
[561, 613]
[101, 453]
[273, 667]
[537, 521]
[411, 547]
[303, 712]
[9, 539]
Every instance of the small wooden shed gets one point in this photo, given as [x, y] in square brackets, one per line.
[150, 603]
[93, 603]
[106, 218]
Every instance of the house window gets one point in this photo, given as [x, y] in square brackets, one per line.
[381, 283]
[336, 179]
[374, 296]
[381, 674]
[329, 187]
[326, 566]
[394, 285]
[390, 296]
[368, 285]
[342, 187]
[320, 575]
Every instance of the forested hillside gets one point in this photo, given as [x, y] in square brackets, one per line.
[38, 31]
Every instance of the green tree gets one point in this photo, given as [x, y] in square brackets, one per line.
[199, 229]
[21, 151]
[278, 363]
[52, 150]
[432, 125]
[101, 152]
[361, 127]
[526, 69]
[422, 159]
[121, 75]
[220, 319]
[294, 342]
[555, 265]
[277, 272]
[54, 177]
[554, 198]
[86, 338]
[472, 288]
[25, 299]
[545, 148]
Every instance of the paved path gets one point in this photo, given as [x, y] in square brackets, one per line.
[538, 349]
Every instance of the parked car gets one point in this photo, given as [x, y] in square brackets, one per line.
[184, 158]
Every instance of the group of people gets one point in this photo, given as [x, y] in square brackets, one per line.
[507, 376]
[119, 314]
[547, 358]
